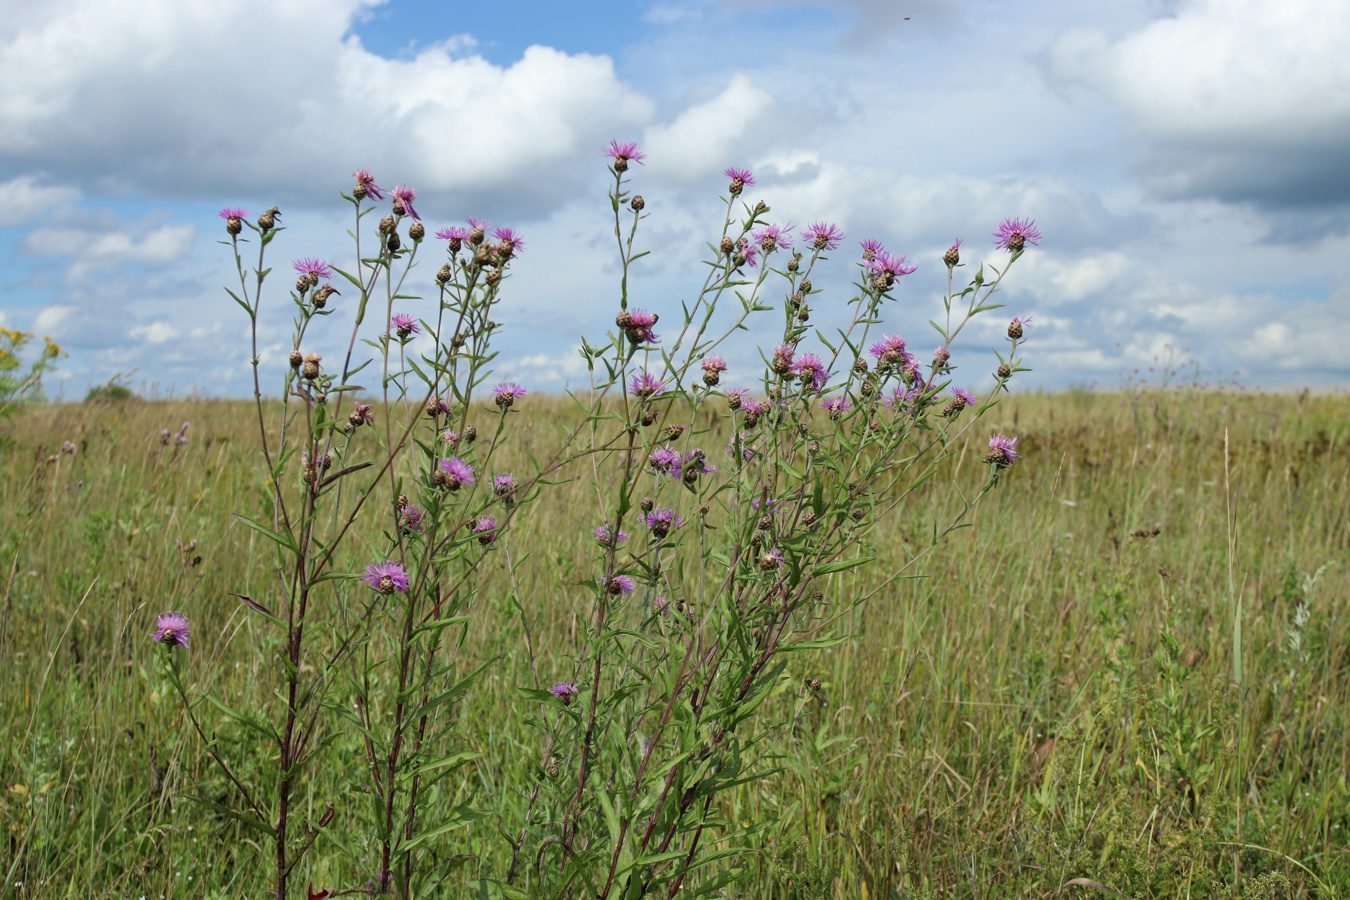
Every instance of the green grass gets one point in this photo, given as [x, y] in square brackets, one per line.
[1054, 701]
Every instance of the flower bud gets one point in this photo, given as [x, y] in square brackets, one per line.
[1015, 329]
[470, 434]
[760, 207]
[649, 415]
[638, 204]
[493, 276]
[860, 366]
[813, 683]
[952, 257]
[647, 504]
[320, 299]
[727, 246]
[267, 221]
[1005, 371]
[417, 231]
[444, 274]
[296, 359]
[393, 242]
[386, 225]
[302, 285]
[310, 369]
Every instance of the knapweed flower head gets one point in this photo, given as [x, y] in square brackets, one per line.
[455, 472]
[753, 409]
[504, 486]
[1016, 327]
[811, 370]
[411, 519]
[361, 414]
[823, 235]
[620, 584]
[172, 629]
[771, 238]
[942, 359]
[486, 529]
[745, 254]
[886, 268]
[953, 255]
[638, 325]
[771, 560]
[505, 394]
[664, 460]
[740, 179]
[782, 358]
[646, 385]
[566, 691]
[386, 577]
[403, 201]
[965, 396]
[366, 186]
[624, 152]
[661, 522]
[1002, 451]
[742, 440]
[313, 268]
[404, 325]
[836, 407]
[713, 367]
[606, 536]
[1014, 234]
[509, 242]
[871, 247]
[456, 234]
[234, 217]
[889, 351]
[691, 465]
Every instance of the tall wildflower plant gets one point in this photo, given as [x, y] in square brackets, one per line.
[368, 646]
[716, 561]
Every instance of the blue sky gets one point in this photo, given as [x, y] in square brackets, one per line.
[1186, 162]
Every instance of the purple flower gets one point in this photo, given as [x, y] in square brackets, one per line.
[605, 536]
[366, 182]
[740, 179]
[890, 266]
[512, 244]
[645, 385]
[624, 152]
[504, 486]
[659, 605]
[890, 350]
[361, 414]
[811, 370]
[386, 577]
[454, 233]
[1014, 234]
[486, 529]
[661, 521]
[638, 325]
[455, 472]
[405, 325]
[942, 358]
[1002, 451]
[477, 228]
[665, 461]
[966, 398]
[736, 396]
[871, 248]
[451, 436]
[620, 584]
[823, 235]
[693, 464]
[745, 254]
[565, 691]
[315, 268]
[403, 201]
[771, 237]
[953, 254]
[172, 628]
[506, 394]
[411, 519]
[771, 560]
[233, 212]
[836, 407]
[747, 453]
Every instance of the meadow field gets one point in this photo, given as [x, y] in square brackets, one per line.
[1129, 677]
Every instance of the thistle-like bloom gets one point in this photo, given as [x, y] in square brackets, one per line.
[366, 182]
[747, 452]
[736, 396]
[646, 385]
[771, 560]
[504, 486]
[661, 522]
[1014, 234]
[361, 414]
[942, 359]
[659, 605]
[871, 247]
[234, 217]
[477, 229]
[411, 519]
[451, 437]
[456, 472]
[823, 235]
[172, 628]
[691, 465]
[403, 201]
[624, 152]
[606, 537]
[811, 370]
[745, 254]
[771, 238]
[836, 407]
[782, 358]
[740, 179]
[1015, 327]
[620, 584]
[404, 325]
[511, 243]
[713, 367]
[1002, 451]
[953, 254]
[314, 268]
[454, 233]
[890, 350]
[486, 530]
[890, 266]
[664, 461]
[638, 325]
[386, 577]
[565, 691]
[506, 394]
[967, 399]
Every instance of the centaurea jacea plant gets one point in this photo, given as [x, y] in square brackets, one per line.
[734, 565]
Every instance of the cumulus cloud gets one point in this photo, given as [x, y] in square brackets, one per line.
[702, 138]
[1244, 100]
[276, 98]
[160, 245]
[25, 197]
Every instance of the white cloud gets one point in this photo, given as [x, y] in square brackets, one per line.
[24, 197]
[701, 138]
[49, 320]
[154, 333]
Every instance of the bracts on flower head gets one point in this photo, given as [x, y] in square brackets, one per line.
[386, 577]
[506, 393]
[452, 473]
[713, 367]
[1002, 451]
[172, 629]
[566, 691]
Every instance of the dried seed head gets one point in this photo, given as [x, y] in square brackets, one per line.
[551, 768]
[672, 432]
[296, 359]
[727, 246]
[470, 434]
[320, 298]
[813, 683]
[1015, 329]
[417, 231]
[310, 368]
[1005, 371]
[493, 276]
[457, 341]
[808, 517]
[387, 225]
[647, 504]
[444, 274]
[649, 415]
[860, 366]
[267, 221]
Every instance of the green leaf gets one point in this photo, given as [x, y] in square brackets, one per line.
[457, 818]
[840, 565]
[280, 537]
